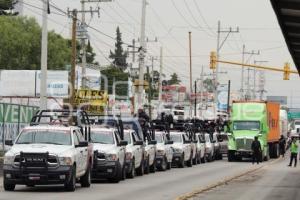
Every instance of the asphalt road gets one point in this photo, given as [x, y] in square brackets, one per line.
[161, 185]
[273, 182]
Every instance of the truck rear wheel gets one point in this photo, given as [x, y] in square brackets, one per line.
[231, 156]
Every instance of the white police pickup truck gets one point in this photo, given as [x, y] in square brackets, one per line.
[109, 154]
[164, 151]
[135, 154]
[182, 149]
[48, 154]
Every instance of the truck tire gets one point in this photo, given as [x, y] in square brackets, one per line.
[180, 164]
[169, 165]
[70, 186]
[153, 167]
[140, 171]
[189, 163]
[118, 176]
[164, 164]
[195, 160]
[203, 160]
[131, 174]
[231, 156]
[8, 186]
[147, 166]
[85, 180]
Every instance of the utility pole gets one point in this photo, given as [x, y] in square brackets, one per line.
[248, 93]
[73, 61]
[191, 75]
[142, 55]
[149, 93]
[201, 91]
[195, 101]
[219, 47]
[160, 75]
[44, 57]
[133, 51]
[83, 35]
[243, 72]
[261, 82]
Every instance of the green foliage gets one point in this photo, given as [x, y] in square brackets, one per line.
[174, 80]
[119, 56]
[21, 45]
[112, 72]
[208, 85]
[6, 7]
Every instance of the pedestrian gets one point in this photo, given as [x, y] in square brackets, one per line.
[282, 144]
[256, 150]
[294, 152]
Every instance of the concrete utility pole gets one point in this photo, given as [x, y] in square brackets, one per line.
[190, 57]
[83, 35]
[248, 93]
[261, 80]
[160, 75]
[219, 47]
[73, 61]
[142, 55]
[44, 57]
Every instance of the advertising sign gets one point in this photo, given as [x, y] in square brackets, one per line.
[222, 97]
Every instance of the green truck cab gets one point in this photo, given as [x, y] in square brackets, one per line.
[250, 119]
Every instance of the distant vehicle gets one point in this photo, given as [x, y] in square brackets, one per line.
[182, 149]
[223, 141]
[53, 150]
[250, 119]
[109, 154]
[135, 154]
[284, 123]
[209, 148]
[200, 147]
[164, 151]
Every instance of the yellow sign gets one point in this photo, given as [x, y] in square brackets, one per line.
[92, 101]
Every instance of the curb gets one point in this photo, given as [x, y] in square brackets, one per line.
[223, 182]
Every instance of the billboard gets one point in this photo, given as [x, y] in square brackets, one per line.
[222, 97]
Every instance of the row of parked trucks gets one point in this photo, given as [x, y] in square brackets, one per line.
[68, 147]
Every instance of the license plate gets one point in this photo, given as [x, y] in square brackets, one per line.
[176, 159]
[34, 178]
[158, 161]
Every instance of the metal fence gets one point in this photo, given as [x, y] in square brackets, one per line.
[13, 118]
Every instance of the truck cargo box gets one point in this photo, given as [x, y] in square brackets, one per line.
[273, 110]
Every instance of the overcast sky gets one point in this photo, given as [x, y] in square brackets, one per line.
[171, 20]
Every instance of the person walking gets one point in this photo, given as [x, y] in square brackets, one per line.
[256, 150]
[282, 144]
[294, 152]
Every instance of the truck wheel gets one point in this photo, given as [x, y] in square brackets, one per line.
[231, 156]
[140, 170]
[131, 174]
[85, 180]
[195, 160]
[181, 163]
[118, 176]
[147, 167]
[70, 186]
[123, 172]
[153, 167]
[8, 186]
[190, 161]
[169, 165]
[203, 160]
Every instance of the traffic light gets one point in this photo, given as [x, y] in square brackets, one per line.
[213, 60]
[286, 73]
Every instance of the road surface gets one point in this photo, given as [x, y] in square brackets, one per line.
[273, 182]
[161, 185]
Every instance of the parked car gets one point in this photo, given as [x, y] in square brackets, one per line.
[164, 151]
[48, 154]
[182, 149]
[109, 154]
[135, 153]
[201, 147]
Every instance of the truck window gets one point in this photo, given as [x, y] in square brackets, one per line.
[176, 138]
[159, 138]
[246, 125]
[127, 137]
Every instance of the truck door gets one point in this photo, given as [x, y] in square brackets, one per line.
[83, 152]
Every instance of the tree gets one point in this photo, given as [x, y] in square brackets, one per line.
[21, 45]
[119, 56]
[208, 85]
[174, 80]
[111, 73]
[6, 7]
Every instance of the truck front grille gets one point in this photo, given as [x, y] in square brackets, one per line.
[244, 144]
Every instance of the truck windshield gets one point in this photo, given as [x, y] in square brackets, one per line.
[246, 125]
[159, 138]
[176, 138]
[45, 137]
[102, 137]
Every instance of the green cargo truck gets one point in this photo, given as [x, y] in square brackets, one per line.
[250, 119]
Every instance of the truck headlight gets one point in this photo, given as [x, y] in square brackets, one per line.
[65, 161]
[160, 152]
[8, 160]
[111, 157]
[128, 155]
[177, 150]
